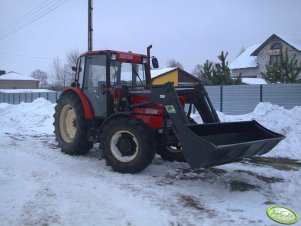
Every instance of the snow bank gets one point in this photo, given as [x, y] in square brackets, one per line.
[277, 119]
[30, 118]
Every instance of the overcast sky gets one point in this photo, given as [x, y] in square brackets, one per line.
[189, 31]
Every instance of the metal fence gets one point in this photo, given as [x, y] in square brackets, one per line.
[17, 98]
[241, 99]
[236, 99]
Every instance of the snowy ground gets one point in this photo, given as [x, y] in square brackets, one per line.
[39, 185]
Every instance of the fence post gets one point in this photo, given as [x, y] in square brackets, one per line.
[221, 97]
[260, 96]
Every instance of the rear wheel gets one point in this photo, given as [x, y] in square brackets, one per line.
[70, 125]
[172, 153]
[127, 144]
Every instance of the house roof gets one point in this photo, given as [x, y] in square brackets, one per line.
[156, 73]
[16, 76]
[245, 60]
[162, 71]
[253, 81]
[293, 42]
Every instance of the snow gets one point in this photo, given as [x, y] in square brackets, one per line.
[15, 76]
[254, 81]
[245, 60]
[25, 90]
[160, 71]
[39, 185]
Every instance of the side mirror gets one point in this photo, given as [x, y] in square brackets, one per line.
[74, 68]
[155, 62]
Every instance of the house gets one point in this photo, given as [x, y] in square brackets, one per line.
[178, 76]
[252, 62]
[14, 80]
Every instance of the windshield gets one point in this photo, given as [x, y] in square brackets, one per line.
[127, 73]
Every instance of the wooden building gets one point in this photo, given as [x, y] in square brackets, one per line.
[176, 75]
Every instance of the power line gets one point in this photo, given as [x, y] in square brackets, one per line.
[25, 16]
[32, 20]
[25, 56]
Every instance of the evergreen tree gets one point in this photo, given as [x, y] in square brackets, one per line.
[216, 74]
[221, 71]
[207, 72]
[285, 71]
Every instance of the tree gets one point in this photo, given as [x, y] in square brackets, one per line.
[204, 72]
[62, 74]
[284, 71]
[174, 63]
[58, 74]
[221, 71]
[72, 57]
[41, 76]
[216, 73]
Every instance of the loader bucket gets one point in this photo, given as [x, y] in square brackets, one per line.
[212, 144]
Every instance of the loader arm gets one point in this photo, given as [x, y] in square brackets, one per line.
[210, 144]
[198, 96]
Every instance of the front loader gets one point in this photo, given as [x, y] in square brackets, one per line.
[112, 102]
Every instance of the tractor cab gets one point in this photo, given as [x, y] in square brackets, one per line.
[99, 72]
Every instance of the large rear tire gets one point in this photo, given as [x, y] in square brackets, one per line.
[70, 125]
[127, 144]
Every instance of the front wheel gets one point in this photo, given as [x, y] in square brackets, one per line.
[127, 144]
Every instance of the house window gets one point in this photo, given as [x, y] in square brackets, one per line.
[275, 59]
[276, 46]
[275, 56]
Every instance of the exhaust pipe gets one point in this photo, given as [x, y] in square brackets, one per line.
[148, 78]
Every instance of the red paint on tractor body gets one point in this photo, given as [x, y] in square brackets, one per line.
[151, 114]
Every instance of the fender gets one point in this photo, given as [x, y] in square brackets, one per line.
[84, 100]
[114, 116]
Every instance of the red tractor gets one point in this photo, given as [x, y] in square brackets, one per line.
[112, 102]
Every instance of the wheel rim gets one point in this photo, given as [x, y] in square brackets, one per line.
[67, 123]
[124, 146]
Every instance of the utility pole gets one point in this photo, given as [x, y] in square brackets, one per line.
[90, 28]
